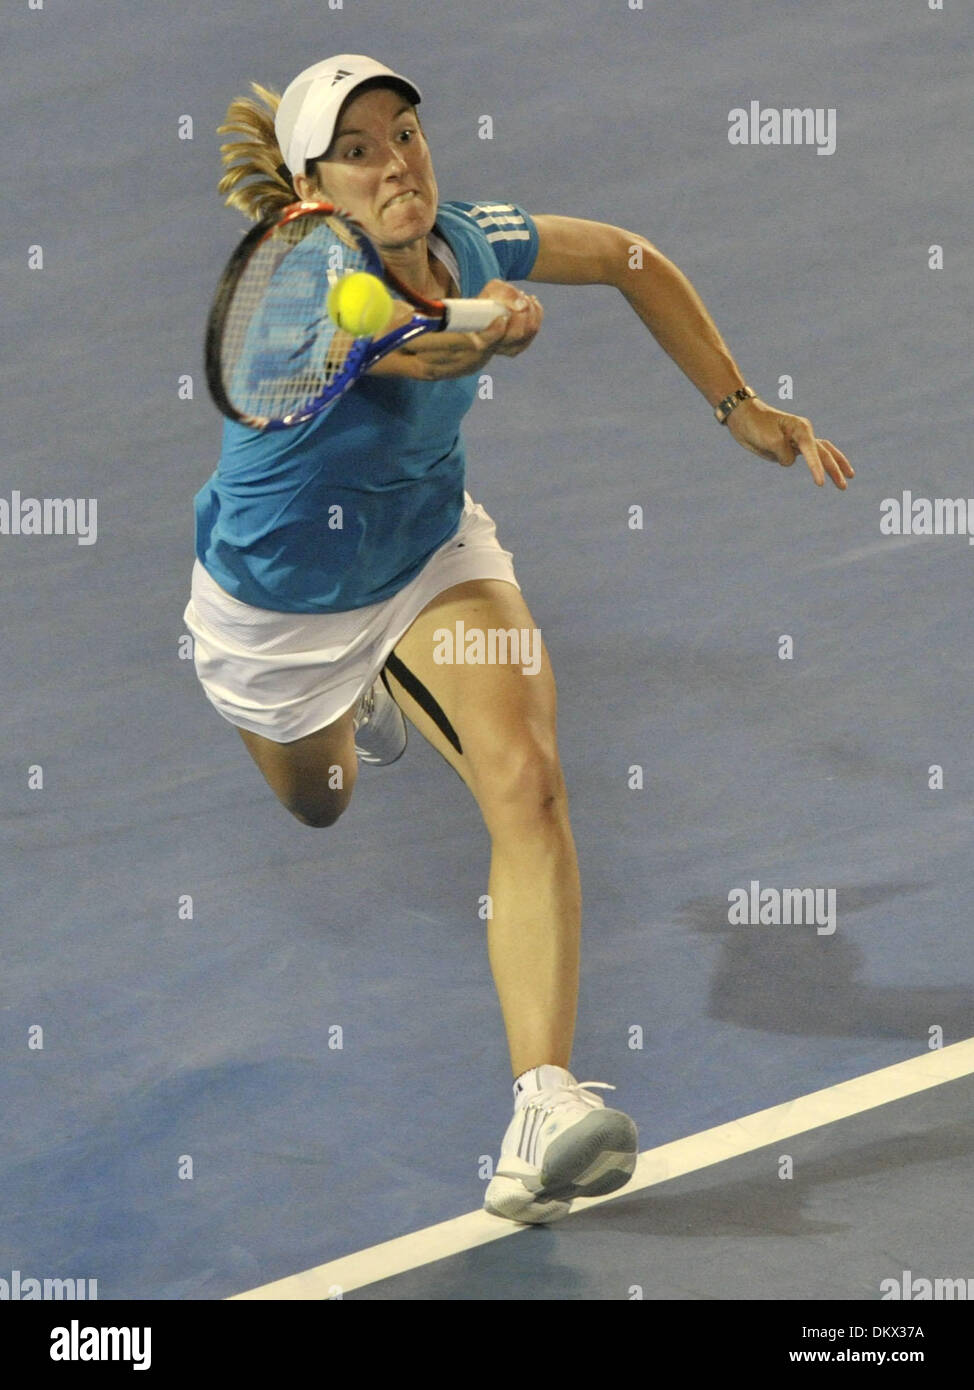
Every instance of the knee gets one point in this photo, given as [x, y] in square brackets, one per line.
[524, 785]
[321, 809]
[319, 817]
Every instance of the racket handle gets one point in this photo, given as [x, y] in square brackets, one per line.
[470, 315]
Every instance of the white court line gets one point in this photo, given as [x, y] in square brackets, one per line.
[654, 1166]
[861, 552]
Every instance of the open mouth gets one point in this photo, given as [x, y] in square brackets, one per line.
[402, 198]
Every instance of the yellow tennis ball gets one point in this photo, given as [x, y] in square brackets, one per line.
[361, 304]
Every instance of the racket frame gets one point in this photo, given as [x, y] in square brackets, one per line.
[432, 316]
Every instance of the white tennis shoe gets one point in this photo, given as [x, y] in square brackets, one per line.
[380, 729]
[561, 1144]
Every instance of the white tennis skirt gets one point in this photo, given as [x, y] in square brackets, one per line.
[285, 675]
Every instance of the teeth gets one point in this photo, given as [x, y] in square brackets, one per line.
[402, 197]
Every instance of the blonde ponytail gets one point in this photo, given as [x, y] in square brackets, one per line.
[255, 181]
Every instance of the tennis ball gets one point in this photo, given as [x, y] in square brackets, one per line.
[361, 304]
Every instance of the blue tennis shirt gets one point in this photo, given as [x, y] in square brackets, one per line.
[386, 461]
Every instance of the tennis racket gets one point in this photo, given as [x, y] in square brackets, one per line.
[274, 358]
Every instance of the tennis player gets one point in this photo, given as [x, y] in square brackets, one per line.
[330, 554]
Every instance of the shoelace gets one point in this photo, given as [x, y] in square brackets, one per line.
[554, 1096]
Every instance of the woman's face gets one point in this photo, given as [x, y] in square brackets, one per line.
[379, 169]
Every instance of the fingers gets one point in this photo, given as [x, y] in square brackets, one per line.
[447, 344]
[493, 333]
[524, 316]
[835, 463]
[801, 438]
[448, 354]
[845, 467]
[780, 438]
[522, 326]
[821, 456]
[451, 354]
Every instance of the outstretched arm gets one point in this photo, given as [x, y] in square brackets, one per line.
[574, 251]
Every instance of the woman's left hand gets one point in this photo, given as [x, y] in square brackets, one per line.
[773, 435]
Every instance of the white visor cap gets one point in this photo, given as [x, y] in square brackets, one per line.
[305, 120]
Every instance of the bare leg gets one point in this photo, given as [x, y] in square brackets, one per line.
[314, 776]
[505, 720]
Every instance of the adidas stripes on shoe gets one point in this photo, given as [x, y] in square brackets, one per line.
[562, 1143]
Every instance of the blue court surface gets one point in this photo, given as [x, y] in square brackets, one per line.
[190, 951]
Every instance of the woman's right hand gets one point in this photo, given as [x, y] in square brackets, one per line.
[438, 356]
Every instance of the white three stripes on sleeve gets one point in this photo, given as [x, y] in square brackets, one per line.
[500, 222]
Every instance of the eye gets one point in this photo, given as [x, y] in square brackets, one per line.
[407, 133]
[353, 149]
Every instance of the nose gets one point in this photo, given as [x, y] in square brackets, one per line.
[397, 157]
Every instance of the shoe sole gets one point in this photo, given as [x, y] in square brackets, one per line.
[518, 1204]
[596, 1156]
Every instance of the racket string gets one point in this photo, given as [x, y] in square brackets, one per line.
[280, 351]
